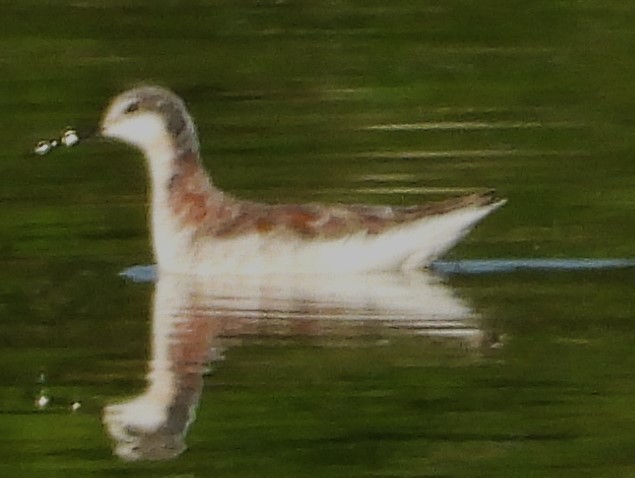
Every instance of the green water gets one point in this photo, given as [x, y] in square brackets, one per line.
[307, 101]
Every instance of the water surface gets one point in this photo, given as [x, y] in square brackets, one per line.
[521, 367]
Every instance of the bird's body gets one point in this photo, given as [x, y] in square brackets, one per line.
[199, 229]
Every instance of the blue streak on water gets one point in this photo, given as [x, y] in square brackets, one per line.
[140, 274]
[148, 273]
[488, 266]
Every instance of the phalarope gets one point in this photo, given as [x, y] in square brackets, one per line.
[199, 229]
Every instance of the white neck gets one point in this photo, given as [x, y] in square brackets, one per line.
[170, 240]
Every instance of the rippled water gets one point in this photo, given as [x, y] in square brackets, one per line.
[512, 357]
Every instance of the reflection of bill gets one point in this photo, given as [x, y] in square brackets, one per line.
[191, 315]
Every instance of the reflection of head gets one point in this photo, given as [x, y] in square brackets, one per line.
[148, 428]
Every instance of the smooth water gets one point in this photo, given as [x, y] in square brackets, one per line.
[513, 357]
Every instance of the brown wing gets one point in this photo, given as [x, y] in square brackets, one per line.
[331, 221]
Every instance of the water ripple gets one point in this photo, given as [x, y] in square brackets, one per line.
[147, 273]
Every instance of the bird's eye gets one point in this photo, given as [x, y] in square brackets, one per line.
[132, 107]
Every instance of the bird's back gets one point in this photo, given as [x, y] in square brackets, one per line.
[279, 239]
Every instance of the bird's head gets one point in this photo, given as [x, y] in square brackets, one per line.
[150, 117]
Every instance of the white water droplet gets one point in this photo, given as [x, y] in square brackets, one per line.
[70, 137]
[42, 401]
[43, 147]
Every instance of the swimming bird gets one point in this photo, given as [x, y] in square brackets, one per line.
[199, 229]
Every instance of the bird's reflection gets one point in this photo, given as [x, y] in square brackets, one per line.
[192, 316]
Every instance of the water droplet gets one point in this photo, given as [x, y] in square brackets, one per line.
[43, 147]
[70, 137]
[42, 401]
